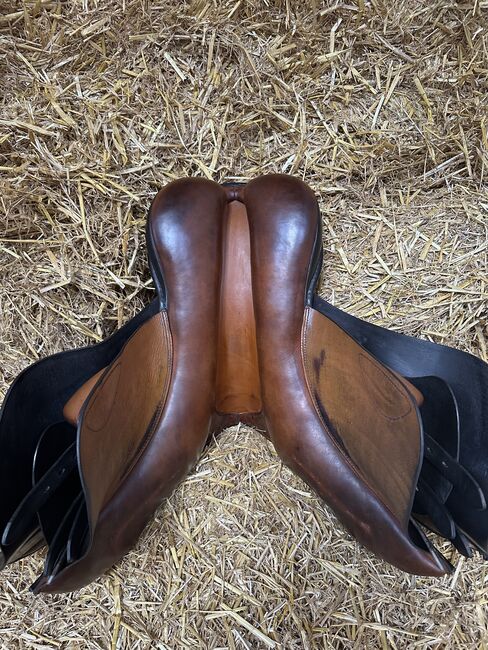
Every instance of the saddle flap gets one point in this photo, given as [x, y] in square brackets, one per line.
[121, 414]
[366, 409]
[460, 458]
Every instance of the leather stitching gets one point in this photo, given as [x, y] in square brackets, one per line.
[155, 420]
[398, 388]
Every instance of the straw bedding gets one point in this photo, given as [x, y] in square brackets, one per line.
[382, 107]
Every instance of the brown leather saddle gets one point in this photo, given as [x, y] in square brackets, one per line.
[391, 431]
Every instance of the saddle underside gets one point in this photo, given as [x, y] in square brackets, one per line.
[387, 429]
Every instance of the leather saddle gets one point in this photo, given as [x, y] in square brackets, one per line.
[391, 431]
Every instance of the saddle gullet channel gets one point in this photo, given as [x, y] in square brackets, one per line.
[238, 388]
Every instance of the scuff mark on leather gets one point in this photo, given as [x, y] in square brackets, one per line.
[330, 427]
[318, 362]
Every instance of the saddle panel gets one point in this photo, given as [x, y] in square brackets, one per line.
[35, 402]
[284, 225]
[148, 418]
[116, 426]
[120, 416]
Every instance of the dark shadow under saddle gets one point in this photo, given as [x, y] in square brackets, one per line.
[391, 431]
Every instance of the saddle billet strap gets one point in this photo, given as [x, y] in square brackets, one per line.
[428, 503]
[460, 542]
[441, 473]
[52, 444]
[455, 474]
[57, 554]
[53, 468]
[466, 376]
[20, 525]
[34, 543]
[78, 538]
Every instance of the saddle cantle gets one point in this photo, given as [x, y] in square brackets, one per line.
[390, 431]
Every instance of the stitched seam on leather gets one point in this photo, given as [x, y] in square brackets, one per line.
[153, 424]
[152, 246]
[155, 420]
[347, 460]
[397, 388]
[94, 402]
[314, 262]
